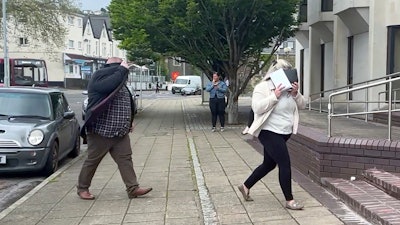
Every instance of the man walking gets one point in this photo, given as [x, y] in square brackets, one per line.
[106, 129]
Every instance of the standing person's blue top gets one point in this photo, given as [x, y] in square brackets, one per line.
[217, 89]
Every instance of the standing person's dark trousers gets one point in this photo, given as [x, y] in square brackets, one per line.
[217, 107]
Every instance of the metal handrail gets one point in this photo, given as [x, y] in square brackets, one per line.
[367, 112]
[384, 92]
[347, 87]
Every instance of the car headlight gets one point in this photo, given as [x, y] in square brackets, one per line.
[35, 137]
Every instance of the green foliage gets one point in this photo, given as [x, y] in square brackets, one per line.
[40, 20]
[214, 35]
[210, 34]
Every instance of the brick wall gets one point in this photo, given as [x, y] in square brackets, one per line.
[316, 155]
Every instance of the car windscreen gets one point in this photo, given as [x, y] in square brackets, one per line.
[181, 81]
[25, 105]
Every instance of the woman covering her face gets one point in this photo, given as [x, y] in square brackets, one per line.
[276, 117]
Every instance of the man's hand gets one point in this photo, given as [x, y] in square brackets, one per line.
[132, 127]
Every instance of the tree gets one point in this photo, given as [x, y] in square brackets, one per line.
[43, 21]
[227, 36]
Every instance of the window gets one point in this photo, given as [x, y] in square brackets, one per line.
[303, 11]
[60, 105]
[71, 68]
[326, 5]
[70, 20]
[322, 69]
[79, 22]
[104, 49]
[393, 50]
[88, 49]
[97, 47]
[290, 44]
[79, 45]
[350, 59]
[70, 44]
[393, 55]
[23, 41]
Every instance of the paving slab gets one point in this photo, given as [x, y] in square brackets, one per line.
[194, 174]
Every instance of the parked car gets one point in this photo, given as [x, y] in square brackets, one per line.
[37, 129]
[131, 89]
[191, 89]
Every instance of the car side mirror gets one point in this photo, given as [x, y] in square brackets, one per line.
[85, 92]
[69, 115]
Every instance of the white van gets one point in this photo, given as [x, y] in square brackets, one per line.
[183, 81]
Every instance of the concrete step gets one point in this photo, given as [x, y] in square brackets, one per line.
[373, 204]
[387, 182]
[383, 118]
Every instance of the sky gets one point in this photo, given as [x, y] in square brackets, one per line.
[93, 4]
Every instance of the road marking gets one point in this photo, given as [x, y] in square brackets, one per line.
[207, 207]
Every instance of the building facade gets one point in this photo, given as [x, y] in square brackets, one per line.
[347, 42]
[88, 44]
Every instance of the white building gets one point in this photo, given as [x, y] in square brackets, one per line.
[343, 42]
[88, 44]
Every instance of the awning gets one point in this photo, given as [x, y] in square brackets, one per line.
[81, 59]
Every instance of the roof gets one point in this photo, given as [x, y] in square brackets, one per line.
[85, 19]
[29, 90]
[98, 23]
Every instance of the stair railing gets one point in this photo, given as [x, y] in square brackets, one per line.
[395, 91]
[321, 94]
[389, 82]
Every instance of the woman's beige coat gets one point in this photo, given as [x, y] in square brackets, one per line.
[264, 101]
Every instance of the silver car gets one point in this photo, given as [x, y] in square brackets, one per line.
[37, 129]
[191, 89]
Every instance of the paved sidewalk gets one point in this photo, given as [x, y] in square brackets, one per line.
[194, 174]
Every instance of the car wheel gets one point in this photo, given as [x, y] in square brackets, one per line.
[77, 147]
[173, 91]
[52, 160]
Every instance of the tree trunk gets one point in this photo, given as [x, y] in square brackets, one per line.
[233, 110]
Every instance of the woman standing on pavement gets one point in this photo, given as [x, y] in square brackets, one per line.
[276, 117]
[217, 89]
